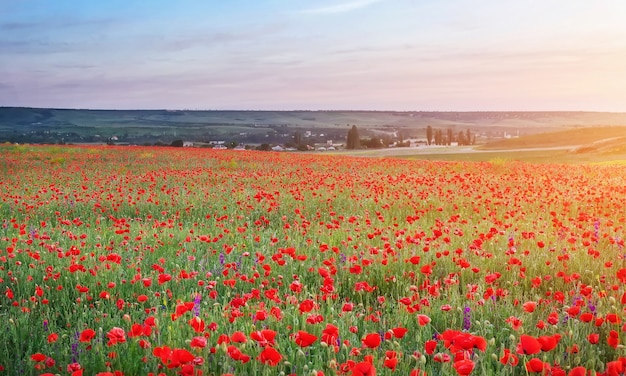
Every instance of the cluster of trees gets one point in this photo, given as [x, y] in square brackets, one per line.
[437, 137]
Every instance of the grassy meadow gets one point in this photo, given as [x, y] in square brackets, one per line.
[171, 261]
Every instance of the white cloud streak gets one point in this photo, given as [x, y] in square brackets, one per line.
[340, 8]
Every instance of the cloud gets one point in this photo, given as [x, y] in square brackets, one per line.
[340, 8]
[55, 24]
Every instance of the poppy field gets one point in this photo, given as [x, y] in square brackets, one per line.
[171, 261]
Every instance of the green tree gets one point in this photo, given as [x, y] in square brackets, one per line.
[438, 137]
[461, 138]
[297, 138]
[352, 141]
[429, 134]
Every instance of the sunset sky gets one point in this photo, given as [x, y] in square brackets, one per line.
[430, 55]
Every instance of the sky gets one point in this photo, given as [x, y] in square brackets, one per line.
[388, 55]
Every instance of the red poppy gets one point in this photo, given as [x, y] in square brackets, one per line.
[535, 365]
[372, 340]
[613, 318]
[304, 339]
[330, 334]
[264, 337]
[87, 335]
[399, 332]
[115, 336]
[364, 369]
[180, 356]
[577, 371]
[270, 356]
[615, 368]
[528, 345]
[593, 338]
[391, 360]
[548, 343]
[198, 342]
[464, 367]
[197, 324]
[430, 346]
[613, 339]
[529, 306]
[423, 319]
[586, 317]
[238, 337]
[38, 357]
[306, 306]
[509, 358]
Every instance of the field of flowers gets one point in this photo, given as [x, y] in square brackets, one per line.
[150, 261]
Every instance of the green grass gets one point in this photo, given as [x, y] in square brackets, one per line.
[534, 156]
[569, 137]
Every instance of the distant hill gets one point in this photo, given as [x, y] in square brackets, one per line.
[40, 125]
[590, 138]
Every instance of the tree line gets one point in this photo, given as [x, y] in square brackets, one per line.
[437, 137]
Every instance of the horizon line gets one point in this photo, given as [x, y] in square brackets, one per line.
[295, 110]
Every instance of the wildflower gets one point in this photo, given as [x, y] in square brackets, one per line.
[467, 318]
[365, 368]
[270, 356]
[87, 335]
[372, 340]
[115, 336]
[304, 339]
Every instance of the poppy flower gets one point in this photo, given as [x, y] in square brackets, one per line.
[534, 365]
[577, 371]
[430, 346]
[270, 356]
[509, 358]
[528, 345]
[529, 306]
[614, 368]
[364, 369]
[198, 342]
[180, 356]
[549, 342]
[613, 339]
[399, 332]
[197, 324]
[613, 318]
[423, 320]
[38, 357]
[238, 337]
[305, 339]
[264, 337]
[372, 340]
[87, 335]
[115, 336]
[463, 367]
[391, 360]
[330, 334]
[441, 357]
[586, 317]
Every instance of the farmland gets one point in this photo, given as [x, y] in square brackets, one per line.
[52, 126]
[139, 260]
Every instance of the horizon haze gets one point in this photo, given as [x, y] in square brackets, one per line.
[278, 55]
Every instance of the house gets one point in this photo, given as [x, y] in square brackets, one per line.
[187, 144]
